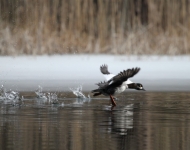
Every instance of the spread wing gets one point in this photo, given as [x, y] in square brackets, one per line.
[102, 84]
[104, 69]
[105, 72]
[123, 76]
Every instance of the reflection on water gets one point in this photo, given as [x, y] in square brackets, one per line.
[141, 120]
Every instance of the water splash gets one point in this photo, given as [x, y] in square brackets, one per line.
[62, 104]
[2, 92]
[78, 92]
[8, 95]
[46, 97]
[12, 95]
[40, 94]
[52, 98]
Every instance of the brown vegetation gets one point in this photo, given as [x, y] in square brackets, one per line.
[94, 26]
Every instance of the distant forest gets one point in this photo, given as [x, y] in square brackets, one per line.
[136, 27]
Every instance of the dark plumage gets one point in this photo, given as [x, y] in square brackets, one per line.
[123, 76]
[104, 69]
[116, 84]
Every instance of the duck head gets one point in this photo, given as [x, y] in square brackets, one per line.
[137, 86]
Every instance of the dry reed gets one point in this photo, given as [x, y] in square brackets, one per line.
[94, 26]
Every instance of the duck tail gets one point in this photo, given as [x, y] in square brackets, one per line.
[96, 92]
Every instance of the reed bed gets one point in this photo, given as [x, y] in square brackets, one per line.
[94, 26]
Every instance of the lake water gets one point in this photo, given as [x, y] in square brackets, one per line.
[157, 119]
[140, 121]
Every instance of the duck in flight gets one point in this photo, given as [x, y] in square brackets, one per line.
[115, 84]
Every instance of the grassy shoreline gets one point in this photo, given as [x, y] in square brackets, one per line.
[141, 42]
[124, 27]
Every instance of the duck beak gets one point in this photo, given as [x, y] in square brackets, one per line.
[143, 89]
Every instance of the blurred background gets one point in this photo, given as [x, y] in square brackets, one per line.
[94, 26]
[51, 49]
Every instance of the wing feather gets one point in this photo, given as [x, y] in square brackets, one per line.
[102, 84]
[123, 76]
[104, 69]
[105, 72]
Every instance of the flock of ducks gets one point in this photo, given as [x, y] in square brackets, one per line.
[116, 84]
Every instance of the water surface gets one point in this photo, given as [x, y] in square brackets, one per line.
[141, 120]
